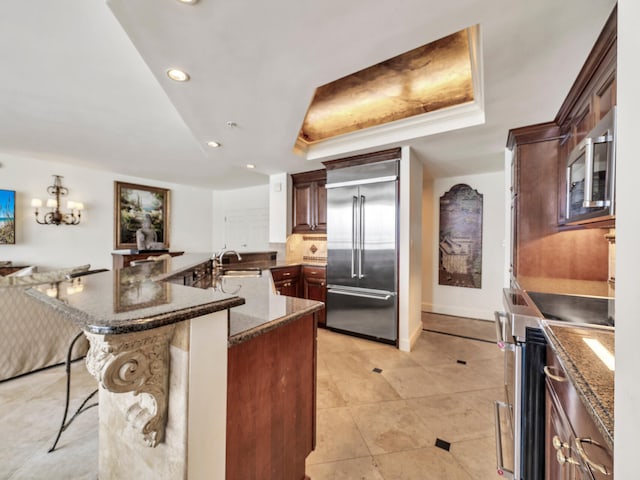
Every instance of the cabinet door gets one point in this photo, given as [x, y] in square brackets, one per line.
[302, 204]
[288, 288]
[315, 288]
[320, 209]
[556, 431]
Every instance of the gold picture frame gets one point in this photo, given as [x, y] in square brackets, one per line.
[131, 202]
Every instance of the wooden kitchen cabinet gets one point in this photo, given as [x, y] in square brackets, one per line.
[287, 280]
[592, 96]
[271, 403]
[543, 247]
[314, 287]
[568, 424]
[310, 202]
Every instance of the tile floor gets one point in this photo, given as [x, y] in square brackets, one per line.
[370, 425]
[384, 425]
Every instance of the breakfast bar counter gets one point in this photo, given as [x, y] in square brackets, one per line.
[185, 374]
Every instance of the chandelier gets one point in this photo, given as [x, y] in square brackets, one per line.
[55, 216]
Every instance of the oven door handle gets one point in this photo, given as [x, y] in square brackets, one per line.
[500, 340]
[503, 472]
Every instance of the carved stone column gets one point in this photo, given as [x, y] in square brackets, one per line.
[138, 363]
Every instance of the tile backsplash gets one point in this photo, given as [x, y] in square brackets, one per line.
[307, 247]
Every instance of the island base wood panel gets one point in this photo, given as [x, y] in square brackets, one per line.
[271, 403]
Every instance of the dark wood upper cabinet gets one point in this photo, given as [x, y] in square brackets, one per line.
[543, 246]
[310, 202]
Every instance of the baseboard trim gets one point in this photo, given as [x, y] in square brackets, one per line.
[407, 345]
[475, 313]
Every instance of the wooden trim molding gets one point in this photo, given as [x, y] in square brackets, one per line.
[533, 134]
[391, 154]
[604, 43]
[312, 176]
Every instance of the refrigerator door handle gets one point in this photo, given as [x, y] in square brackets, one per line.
[353, 236]
[361, 233]
[351, 293]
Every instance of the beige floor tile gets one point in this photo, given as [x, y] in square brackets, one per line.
[429, 463]
[363, 390]
[492, 370]
[385, 358]
[473, 350]
[459, 378]
[346, 365]
[337, 437]
[391, 427]
[321, 365]
[433, 349]
[327, 393]
[31, 423]
[329, 342]
[413, 382]
[364, 468]
[454, 417]
[484, 329]
[477, 457]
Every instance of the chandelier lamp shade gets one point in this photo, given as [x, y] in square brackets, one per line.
[55, 216]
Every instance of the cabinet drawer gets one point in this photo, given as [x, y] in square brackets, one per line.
[314, 272]
[285, 273]
[581, 423]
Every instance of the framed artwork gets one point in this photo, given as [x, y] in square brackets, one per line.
[135, 204]
[460, 245]
[7, 217]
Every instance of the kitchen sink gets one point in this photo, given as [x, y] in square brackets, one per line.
[253, 272]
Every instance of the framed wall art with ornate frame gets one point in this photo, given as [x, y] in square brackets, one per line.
[138, 204]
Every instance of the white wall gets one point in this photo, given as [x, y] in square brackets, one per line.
[627, 413]
[470, 302]
[429, 238]
[410, 247]
[279, 207]
[241, 218]
[92, 241]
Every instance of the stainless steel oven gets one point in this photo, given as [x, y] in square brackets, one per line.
[519, 416]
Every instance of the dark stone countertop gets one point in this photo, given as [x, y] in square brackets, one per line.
[137, 298]
[133, 299]
[263, 310]
[592, 379]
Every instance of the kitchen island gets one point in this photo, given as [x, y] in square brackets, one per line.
[196, 382]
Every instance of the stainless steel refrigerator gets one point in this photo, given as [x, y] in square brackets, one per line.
[362, 259]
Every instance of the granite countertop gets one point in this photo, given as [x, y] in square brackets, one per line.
[593, 380]
[263, 310]
[137, 298]
[134, 298]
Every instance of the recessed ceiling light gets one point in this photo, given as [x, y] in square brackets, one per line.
[214, 144]
[178, 75]
[190, 2]
[250, 165]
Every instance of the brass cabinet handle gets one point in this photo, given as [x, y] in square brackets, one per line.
[596, 466]
[558, 444]
[557, 378]
[562, 458]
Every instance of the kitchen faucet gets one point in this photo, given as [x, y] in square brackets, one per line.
[218, 256]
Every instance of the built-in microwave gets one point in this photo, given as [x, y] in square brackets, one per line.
[591, 174]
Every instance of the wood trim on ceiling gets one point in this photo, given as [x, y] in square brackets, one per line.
[391, 154]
